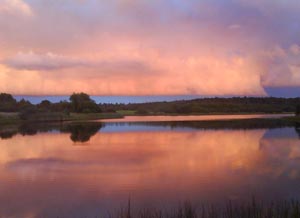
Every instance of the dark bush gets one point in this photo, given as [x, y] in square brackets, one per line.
[7, 103]
[298, 110]
[82, 103]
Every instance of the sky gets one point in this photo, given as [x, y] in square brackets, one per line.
[143, 47]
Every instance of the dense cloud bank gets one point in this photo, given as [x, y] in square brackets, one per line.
[139, 47]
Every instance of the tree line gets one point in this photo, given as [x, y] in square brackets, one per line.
[213, 105]
[82, 103]
[46, 110]
[78, 102]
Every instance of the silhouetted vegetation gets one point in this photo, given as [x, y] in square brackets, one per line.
[27, 129]
[251, 209]
[7, 103]
[142, 112]
[41, 116]
[297, 128]
[298, 110]
[7, 134]
[82, 103]
[82, 132]
[252, 123]
[23, 105]
[211, 106]
[82, 107]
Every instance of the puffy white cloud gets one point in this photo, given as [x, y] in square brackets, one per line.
[16, 7]
[281, 67]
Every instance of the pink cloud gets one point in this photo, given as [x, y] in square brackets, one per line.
[149, 47]
[15, 7]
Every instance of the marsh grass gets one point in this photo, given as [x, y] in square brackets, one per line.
[126, 112]
[93, 116]
[9, 118]
[251, 209]
[51, 117]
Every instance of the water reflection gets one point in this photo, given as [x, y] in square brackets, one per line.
[43, 175]
[82, 132]
[179, 118]
[297, 128]
[7, 134]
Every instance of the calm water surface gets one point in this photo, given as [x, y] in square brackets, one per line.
[193, 117]
[84, 170]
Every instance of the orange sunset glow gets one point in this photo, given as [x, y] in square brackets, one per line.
[125, 163]
[208, 164]
[149, 108]
[140, 47]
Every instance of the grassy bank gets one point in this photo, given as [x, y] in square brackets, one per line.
[292, 119]
[15, 118]
[143, 113]
[93, 116]
[9, 118]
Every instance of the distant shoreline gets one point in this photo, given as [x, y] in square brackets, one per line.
[81, 107]
[36, 99]
[127, 99]
[13, 119]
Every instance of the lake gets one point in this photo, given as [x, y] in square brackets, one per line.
[87, 169]
[193, 117]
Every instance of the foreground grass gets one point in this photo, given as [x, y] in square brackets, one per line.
[252, 209]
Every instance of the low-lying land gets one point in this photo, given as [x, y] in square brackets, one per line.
[81, 107]
[236, 105]
[14, 118]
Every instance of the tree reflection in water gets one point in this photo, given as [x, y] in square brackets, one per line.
[297, 128]
[202, 163]
[82, 132]
[7, 134]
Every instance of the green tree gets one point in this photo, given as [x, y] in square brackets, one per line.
[23, 104]
[45, 104]
[62, 106]
[27, 112]
[7, 103]
[82, 103]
